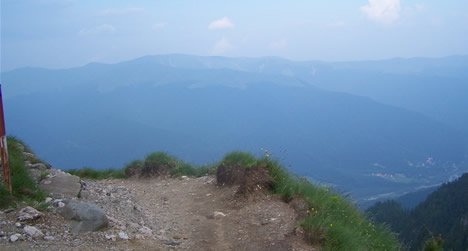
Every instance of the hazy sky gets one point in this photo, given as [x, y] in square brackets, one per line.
[66, 33]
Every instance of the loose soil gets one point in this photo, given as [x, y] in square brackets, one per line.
[183, 214]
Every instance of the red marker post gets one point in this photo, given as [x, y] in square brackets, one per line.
[3, 148]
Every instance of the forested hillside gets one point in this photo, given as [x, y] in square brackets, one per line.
[444, 213]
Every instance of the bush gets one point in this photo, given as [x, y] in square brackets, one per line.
[158, 163]
[133, 168]
[240, 158]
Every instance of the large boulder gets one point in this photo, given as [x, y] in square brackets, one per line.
[61, 183]
[83, 216]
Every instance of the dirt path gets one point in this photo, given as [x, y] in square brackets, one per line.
[183, 214]
[196, 214]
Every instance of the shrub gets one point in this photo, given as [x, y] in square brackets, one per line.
[158, 163]
[240, 158]
[133, 168]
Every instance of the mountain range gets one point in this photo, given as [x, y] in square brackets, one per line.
[373, 129]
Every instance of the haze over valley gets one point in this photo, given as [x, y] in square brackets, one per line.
[373, 129]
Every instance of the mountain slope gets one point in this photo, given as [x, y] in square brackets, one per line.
[443, 213]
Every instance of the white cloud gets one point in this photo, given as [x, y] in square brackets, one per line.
[160, 25]
[223, 23]
[382, 11]
[119, 12]
[278, 44]
[103, 28]
[221, 46]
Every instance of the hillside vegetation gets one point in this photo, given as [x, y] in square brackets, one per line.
[444, 213]
[24, 188]
[330, 220]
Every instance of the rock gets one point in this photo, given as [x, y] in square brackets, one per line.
[172, 243]
[9, 210]
[61, 184]
[2, 234]
[60, 204]
[28, 214]
[17, 224]
[35, 175]
[33, 231]
[112, 237]
[84, 216]
[15, 237]
[217, 215]
[123, 236]
[48, 200]
[49, 238]
[146, 231]
[39, 166]
[139, 237]
[29, 155]
[177, 237]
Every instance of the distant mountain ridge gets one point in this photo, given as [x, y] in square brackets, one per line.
[198, 108]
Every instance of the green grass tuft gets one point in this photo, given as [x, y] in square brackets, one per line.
[240, 158]
[24, 188]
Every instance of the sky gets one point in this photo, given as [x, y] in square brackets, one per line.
[70, 33]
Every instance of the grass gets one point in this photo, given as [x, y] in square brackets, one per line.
[24, 188]
[332, 222]
[176, 168]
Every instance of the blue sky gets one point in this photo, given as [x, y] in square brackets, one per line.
[68, 33]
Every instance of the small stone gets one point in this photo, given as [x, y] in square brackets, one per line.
[48, 200]
[17, 224]
[172, 243]
[177, 237]
[15, 237]
[9, 210]
[33, 231]
[2, 234]
[49, 238]
[123, 236]
[60, 204]
[39, 166]
[112, 237]
[217, 214]
[145, 231]
[28, 214]
[139, 237]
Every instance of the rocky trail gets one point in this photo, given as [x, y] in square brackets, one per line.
[159, 214]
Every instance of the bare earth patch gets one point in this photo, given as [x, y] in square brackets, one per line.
[171, 214]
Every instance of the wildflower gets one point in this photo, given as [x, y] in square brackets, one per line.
[331, 225]
[267, 155]
[312, 209]
[308, 211]
[334, 198]
[316, 212]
